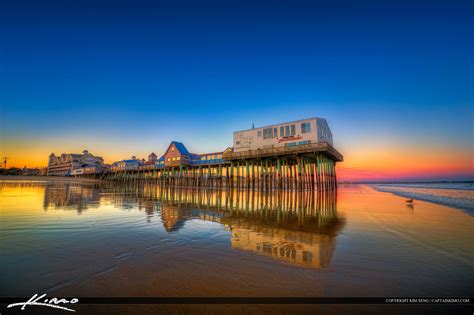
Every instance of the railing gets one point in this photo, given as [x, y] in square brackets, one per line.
[279, 151]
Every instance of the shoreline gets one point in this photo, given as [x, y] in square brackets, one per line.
[449, 202]
[49, 178]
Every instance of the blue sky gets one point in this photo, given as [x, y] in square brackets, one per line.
[130, 76]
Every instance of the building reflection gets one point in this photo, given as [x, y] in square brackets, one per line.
[292, 227]
[80, 197]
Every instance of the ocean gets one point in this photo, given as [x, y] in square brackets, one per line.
[456, 195]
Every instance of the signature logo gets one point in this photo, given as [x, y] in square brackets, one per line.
[39, 300]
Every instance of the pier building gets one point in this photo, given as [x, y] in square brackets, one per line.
[289, 134]
[288, 156]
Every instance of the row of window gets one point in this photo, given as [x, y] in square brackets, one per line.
[202, 158]
[292, 144]
[285, 131]
[211, 157]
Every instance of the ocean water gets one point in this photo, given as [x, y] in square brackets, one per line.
[98, 240]
[456, 195]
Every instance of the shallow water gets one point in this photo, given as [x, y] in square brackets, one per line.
[456, 195]
[73, 239]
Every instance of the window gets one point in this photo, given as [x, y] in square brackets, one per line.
[287, 131]
[293, 130]
[267, 133]
[275, 132]
[282, 131]
[259, 133]
[305, 127]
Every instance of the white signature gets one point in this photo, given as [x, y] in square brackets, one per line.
[37, 300]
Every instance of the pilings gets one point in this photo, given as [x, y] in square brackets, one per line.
[296, 172]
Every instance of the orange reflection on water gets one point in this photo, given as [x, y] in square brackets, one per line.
[80, 239]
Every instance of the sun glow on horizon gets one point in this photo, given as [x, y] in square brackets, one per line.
[391, 162]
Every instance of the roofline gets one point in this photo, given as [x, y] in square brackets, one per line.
[287, 122]
[210, 153]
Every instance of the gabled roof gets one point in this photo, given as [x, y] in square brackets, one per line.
[181, 148]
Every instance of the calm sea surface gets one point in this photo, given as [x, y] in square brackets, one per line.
[73, 239]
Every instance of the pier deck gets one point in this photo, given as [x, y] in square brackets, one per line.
[324, 148]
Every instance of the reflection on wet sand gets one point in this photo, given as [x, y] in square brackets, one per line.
[148, 241]
[293, 227]
[71, 196]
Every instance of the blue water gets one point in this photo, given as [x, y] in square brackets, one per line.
[456, 195]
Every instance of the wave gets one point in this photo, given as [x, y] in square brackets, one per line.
[448, 194]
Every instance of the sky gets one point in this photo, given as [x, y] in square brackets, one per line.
[394, 79]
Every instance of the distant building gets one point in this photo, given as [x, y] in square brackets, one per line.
[43, 171]
[30, 171]
[66, 163]
[299, 132]
[152, 158]
[150, 164]
[132, 164]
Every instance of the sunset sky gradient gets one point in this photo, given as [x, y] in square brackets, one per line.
[394, 79]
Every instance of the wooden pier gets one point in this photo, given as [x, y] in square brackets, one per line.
[303, 167]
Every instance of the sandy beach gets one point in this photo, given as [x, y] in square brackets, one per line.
[379, 245]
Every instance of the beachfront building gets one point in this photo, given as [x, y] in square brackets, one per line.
[88, 170]
[132, 164]
[66, 163]
[178, 155]
[289, 134]
[296, 155]
[149, 164]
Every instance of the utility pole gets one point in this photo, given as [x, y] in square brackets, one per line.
[5, 158]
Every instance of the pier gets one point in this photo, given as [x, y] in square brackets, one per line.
[290, 156]
[307, 167]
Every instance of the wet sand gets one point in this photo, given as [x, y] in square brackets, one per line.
[49, 179]
[73, 240]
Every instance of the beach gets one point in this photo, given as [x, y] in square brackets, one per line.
[48, 179]
[68, 238]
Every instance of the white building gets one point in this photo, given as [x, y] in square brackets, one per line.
[66, 163]
[299, 132]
